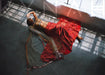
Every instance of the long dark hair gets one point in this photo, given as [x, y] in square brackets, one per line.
[30, 22]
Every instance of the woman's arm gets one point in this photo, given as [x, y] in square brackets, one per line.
[32, 12]
[28, 15]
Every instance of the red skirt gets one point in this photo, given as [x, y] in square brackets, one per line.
[64, 33]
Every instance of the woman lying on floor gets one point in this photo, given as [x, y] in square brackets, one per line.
[64, 33]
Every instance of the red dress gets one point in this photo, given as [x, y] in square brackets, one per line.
[64, 33]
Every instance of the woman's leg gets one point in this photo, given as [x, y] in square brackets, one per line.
[55, 49]
[79, 38]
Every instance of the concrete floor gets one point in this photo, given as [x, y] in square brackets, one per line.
[13, 62]
[84, 59]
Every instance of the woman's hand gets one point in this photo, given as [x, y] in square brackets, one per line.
[28, 15]
[32, 12]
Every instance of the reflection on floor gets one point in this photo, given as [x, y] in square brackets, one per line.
[84, 60]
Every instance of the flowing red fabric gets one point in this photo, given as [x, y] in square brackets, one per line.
[64, 33]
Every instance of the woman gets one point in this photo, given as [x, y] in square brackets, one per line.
[64, 33]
